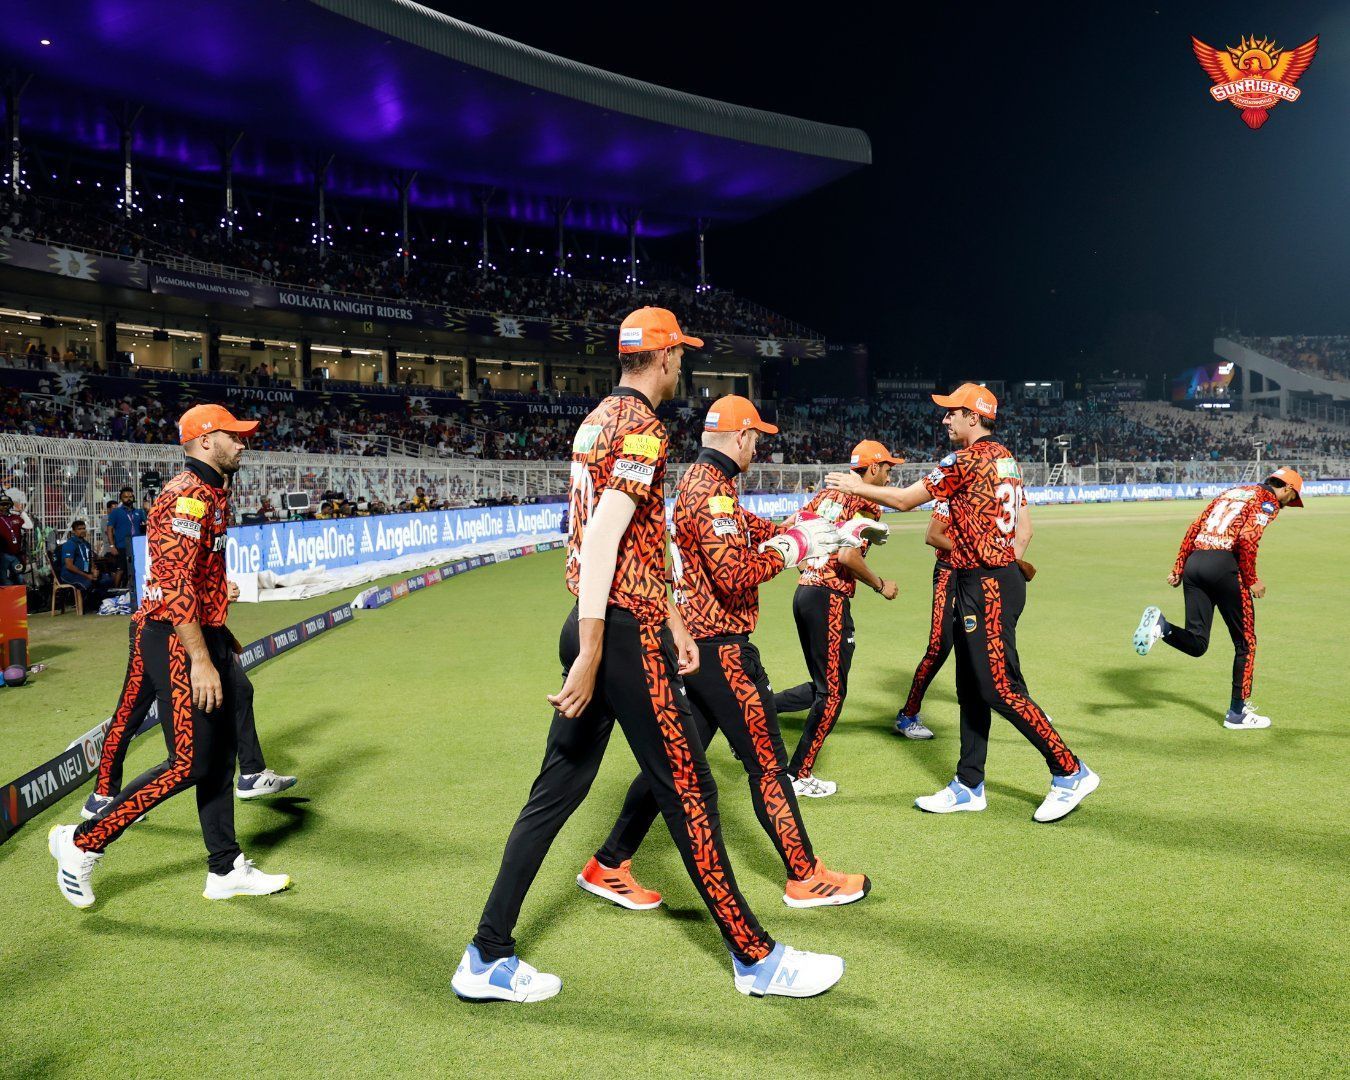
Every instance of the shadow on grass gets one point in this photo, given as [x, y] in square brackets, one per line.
[1142, 691]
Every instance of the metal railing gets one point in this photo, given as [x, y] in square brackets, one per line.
[65, 479]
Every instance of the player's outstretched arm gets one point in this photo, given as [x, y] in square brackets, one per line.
[906, 498]
[599, 557]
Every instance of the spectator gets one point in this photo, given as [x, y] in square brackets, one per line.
[126, 520]
[75, 566]
[13, 543]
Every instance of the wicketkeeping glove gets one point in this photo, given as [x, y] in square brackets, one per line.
[855, 531]
[809, 538]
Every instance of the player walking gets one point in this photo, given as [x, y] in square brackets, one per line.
[183, 650]
[990, 529]
[722, 554]
[1216, 567]
[624, 648]
[822, 608]
[908, 722]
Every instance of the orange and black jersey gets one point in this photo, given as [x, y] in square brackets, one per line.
[1234, 521]
[185, 538]
[718, 566]
[982, 486]
[836, 507]
[943, 513]
[622, 445]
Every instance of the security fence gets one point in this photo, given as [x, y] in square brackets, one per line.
[63, 479]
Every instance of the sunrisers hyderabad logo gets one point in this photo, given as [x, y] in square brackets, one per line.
[1254, 75]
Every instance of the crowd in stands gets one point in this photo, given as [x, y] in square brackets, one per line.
[286, 254]
[1325, 357]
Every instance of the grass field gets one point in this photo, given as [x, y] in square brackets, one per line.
[1189, 920]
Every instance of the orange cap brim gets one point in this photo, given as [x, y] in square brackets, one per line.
[766, 427]
[242, 427]
[697, 343]
[946, 402]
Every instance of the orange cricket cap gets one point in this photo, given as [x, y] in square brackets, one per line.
[735, 413]
[972, 396]
[203, 419]
[651, 328]
[1289, 478]
[870, 452]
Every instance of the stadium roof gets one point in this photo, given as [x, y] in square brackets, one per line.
[388, 85]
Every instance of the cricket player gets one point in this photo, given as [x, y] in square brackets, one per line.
[990, 529]
[1216, 567]
[625, 650]
[722, 553]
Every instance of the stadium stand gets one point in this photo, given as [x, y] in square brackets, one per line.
[1326, 357]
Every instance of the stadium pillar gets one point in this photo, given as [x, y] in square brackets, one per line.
[13, 91]
[390, 365]
[128, 126]
[545, 376]
[404, 182]
[559, 213]
[320, 181]
[632, 222]
[483, 201]
[306, 361]
[212, 348]
[109, 344]
[702, 227]
[228, 162]
[470, 375]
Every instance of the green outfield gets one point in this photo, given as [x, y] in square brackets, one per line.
[1190, 919]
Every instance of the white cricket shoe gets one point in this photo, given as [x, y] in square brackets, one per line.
[244, 880]
[256, 785]
[788, 972]
[813, 787]
[955, 796]
[74, 866]
[1247, 719]
[509, 979]
[1066, 792]
[1149, 630]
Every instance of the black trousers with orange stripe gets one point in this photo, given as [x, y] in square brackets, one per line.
[639, 686]
[939, 640]
[1210, 579]
[135, 701]
[730, 693]
[825, 629]
[989, 676]
[201, 748]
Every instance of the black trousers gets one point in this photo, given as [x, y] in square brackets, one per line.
[730, 693]
[201, 747]
[825, 629]
[989, 676]
[639, 686]
[134, 704]
[1210, 579]
[939, 639]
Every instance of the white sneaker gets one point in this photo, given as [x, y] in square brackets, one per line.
[788, 972]
[1248, 718]
[1066, 792]
[73, 866]
[955, 796]
[1148, 631]
[510, 979]
[256, 785]
[813, 787]
[244, 880]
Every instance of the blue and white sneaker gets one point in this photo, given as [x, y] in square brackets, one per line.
[255, 785]
[95, 805]
[1066, 792]
[911, 727]
[788, 972]
[1149, 630]
[510, 979]
[955, 796]
[1245, 720]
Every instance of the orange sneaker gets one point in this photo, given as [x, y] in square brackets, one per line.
[825, 888]
[617, 886]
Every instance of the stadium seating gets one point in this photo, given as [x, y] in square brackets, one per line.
[1325, 357]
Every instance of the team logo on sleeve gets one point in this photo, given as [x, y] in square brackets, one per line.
[935, 477]
[635, 471]
[721, 504]
[648, 446]
[193, 508]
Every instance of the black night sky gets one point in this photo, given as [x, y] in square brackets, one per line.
[1053, 191]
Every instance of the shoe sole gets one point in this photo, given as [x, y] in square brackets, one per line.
[617, 899]
[252, 794]
[245, 892]
[838, 900]
[52, 848]
[1143, 634]
[972, 806]
[1246, 727]
[496, 994]
[1092, 783]
[790, 991]
[901, 731]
